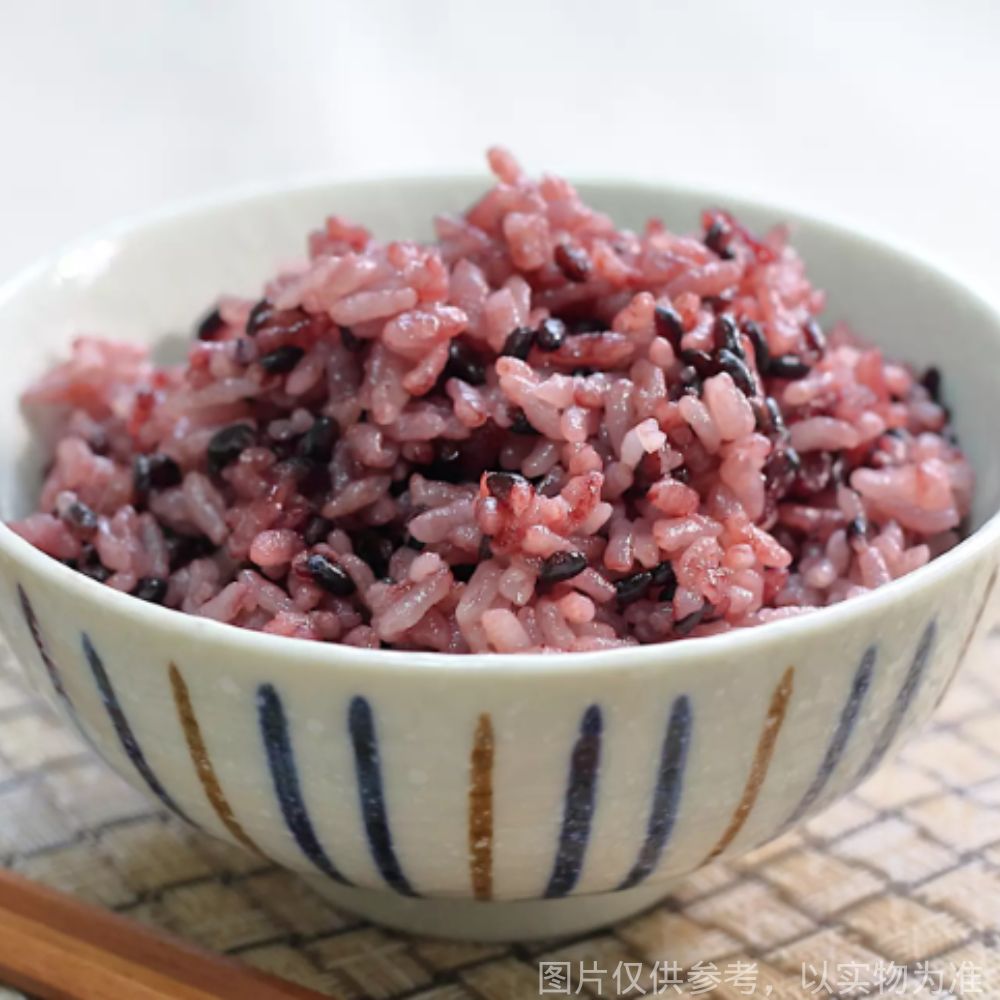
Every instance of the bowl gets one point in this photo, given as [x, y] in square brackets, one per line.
[485, 796]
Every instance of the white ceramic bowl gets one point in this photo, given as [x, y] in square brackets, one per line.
[485, 796]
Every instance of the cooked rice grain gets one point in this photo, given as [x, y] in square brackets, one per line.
[538, 433]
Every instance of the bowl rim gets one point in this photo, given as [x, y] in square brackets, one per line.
[665, 655]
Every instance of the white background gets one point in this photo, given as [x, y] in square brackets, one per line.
[881, 112]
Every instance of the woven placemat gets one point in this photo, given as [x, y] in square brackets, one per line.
[893, 891]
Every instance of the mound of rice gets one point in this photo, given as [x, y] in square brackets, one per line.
[538, 433]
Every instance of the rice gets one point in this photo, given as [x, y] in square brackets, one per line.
[538, 433]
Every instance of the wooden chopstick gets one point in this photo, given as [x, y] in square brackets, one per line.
[58, 948]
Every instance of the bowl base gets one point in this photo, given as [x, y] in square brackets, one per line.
[471, 920]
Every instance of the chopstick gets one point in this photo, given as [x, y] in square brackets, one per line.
[58, 948]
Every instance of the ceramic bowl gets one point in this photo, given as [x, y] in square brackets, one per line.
[485, 796]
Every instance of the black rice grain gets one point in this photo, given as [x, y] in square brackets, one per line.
[738, 372]
[78, 515]
[761, 352]
[464, 363]
[777, 419]
[573, 262]
[228, 444]
[154, 472]
[96, 571]
[520, 424]
[857, 528]
[815, 338]
[518, 343]
[669, 325]
[500, 484]
[282, 359]
[332, 578]
[316, 529]
[211, 326]
[931, 381]
[551, 334]
[181, 549]
[562, 566]
[727, 335]
[701, 361]
[316, 445]
[151, 588]
[716, 239]
[634, 586]
[375, 548]
[665, 577]
[259, 315]
[788, 366]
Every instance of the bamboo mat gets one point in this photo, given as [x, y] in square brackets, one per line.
[893, 891]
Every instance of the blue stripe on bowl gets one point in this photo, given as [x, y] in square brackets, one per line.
[578, 809]
[51, 668]
[842, 734]
[126, 736]
[31, 620]
[285, 776]
[667, 794]
[911, 684]
[361, 725]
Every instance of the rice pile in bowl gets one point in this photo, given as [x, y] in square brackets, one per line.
[538, 433]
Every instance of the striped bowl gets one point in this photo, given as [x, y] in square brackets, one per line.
[485, 796]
